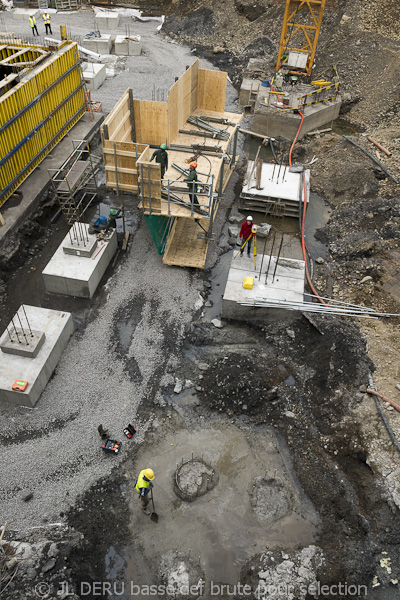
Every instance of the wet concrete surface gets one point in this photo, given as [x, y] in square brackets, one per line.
[220, 529]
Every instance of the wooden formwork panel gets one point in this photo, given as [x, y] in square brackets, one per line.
[182, 100]
[124, 172]
[184, 248]
[150, 183]
[151, 121]
[211, 90]
[117, 126]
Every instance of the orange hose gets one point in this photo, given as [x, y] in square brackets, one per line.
[396, 406]
[303, 244]
[295, 139]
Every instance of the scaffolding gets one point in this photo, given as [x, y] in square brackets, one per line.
[75, 187]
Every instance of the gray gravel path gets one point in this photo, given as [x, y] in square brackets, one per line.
[90, 387]
[155, 70]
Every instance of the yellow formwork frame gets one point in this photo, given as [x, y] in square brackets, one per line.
[311, 10]
[37, 112]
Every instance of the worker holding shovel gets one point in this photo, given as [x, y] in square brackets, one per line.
[143, 487]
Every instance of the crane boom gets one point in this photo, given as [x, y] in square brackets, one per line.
[299, 37]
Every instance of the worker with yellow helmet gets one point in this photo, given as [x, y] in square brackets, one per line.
[143, 487]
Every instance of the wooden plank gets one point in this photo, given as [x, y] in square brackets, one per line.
[126, 240]
[184, 248]
[151, 121]
[182, 99]
[2, 221]
[211, 90]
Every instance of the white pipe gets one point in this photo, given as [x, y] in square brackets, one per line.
[93, 55]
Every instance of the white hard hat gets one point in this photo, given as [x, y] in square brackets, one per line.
[249, 218]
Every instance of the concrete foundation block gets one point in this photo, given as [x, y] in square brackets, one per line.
[135, 46]
[94, 75]
[57, 328]
[287, 285]
[100, 45]
[23, 14]
[121, 47]
[77, 275]
[107, 19]
[274, 122]
[131, 46]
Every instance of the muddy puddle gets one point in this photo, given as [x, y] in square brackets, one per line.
[246, 461]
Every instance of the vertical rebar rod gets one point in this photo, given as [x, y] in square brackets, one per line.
[270, 256]
[23, 330]
[15, 329]
[9, 335]
[262, 259]
[273, 172]
[23, 308]
[277, 258]
[279, 170]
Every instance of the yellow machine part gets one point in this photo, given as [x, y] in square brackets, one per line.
[248, 283]
[37, 112]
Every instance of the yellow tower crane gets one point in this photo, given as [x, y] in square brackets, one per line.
[299, 37]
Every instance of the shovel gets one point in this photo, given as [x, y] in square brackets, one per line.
[154, 515]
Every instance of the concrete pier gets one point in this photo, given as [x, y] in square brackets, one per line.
[77, 274]
[288, 285]
[55, 328]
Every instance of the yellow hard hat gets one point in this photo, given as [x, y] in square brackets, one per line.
[149, 474]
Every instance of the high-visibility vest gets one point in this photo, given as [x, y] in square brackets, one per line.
[46, 18]
[142, 482]
[32, 21]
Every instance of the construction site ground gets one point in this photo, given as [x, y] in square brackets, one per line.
[309, 479]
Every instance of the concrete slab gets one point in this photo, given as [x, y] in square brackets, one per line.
[94, 75]
[23, 14]
[78, 275]
[58, 328]
[107, 19]
[31, 191]
[280, 190]
[288, 285]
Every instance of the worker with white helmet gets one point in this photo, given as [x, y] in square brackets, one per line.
[143, 487]
[246, 234]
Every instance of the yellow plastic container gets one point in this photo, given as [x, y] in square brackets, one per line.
[248, 283]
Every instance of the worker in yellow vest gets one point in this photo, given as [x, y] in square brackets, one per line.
[143, 487]
[47, 22]
[32, 23]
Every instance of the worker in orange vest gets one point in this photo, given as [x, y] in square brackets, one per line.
[32, 23]
[47, 22]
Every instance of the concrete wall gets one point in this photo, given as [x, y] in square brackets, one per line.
[273, 122]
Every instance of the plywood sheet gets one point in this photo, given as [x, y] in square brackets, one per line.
[151, 121]
[184, 248]
[182, 99]
[211, 90]
[118, 123]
